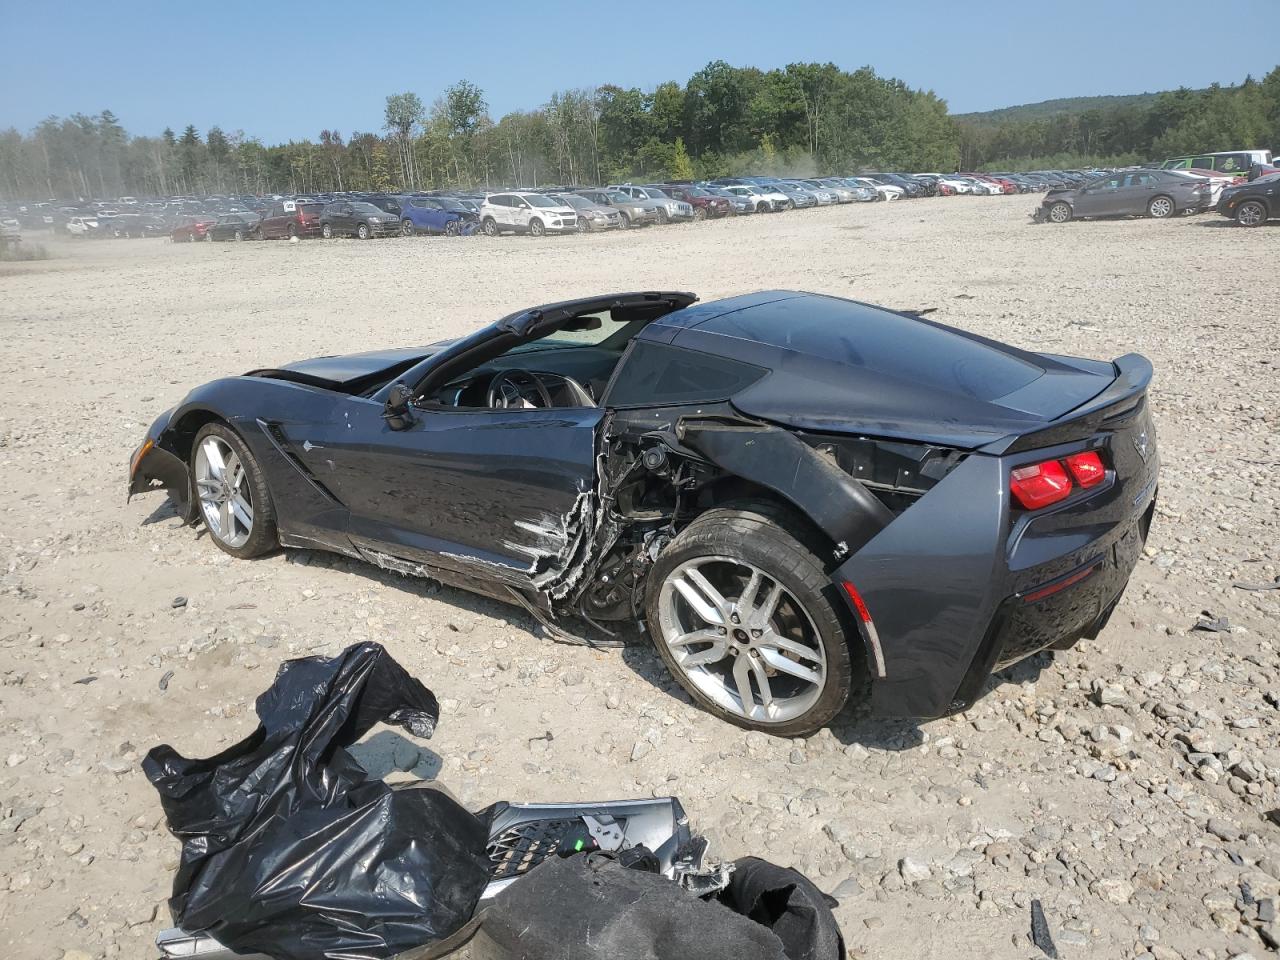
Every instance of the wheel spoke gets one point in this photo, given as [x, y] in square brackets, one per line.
[702, 657]
[213, 457]
[241, 511]
[762, 682]
[772, 639]
[742, 679]
[786, 665]
[226, 520]
[708, 635]
[702, 596]
[747, 599]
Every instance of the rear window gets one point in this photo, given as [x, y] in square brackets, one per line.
[310, 208]
[889, 343]
[658, 373]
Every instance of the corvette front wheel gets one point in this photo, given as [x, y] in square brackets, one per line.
[747, 620]
[231, 490]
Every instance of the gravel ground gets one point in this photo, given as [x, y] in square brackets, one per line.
[1124, 783]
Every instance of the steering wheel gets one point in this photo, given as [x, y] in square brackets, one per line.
[506, 390]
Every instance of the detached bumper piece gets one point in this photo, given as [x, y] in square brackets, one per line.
[359, 870]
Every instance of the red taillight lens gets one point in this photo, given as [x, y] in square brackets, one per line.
[1040, 484]
[1087, 468]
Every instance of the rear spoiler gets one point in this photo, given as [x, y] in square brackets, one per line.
[1124, 397]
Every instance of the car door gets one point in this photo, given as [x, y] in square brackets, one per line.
[500, 491]
[521, 213]
[1099, 197]
[431, 214]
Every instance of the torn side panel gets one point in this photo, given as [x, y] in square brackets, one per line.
[839, 504]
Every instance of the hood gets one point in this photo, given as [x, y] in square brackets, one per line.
[840, 366]
[351, 371]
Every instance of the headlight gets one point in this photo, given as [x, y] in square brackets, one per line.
[374, 219]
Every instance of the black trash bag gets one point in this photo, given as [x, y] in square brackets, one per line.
[787, 902]
[289, 850]
[591, 907]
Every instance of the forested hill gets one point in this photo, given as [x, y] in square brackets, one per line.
[1062, 105]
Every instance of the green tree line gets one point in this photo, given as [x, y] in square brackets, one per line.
[1173, 123]
[803, 119]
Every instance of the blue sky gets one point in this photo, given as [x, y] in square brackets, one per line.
[281, 69]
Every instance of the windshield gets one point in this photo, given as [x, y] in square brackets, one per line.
[578, 203]
[367, 208]
[696, 192]
[538, 200]
[654, 194]
[617, 196]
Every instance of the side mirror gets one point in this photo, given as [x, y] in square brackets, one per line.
[397, 411]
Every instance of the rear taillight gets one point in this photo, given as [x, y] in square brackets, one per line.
[1087, 468]
[1040, 484]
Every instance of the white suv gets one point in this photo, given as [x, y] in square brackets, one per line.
[532, 213]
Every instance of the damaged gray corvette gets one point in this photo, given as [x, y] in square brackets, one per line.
[795, 493]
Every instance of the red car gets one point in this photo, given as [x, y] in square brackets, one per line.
[192, 230]
[704, 204]
[1008, 186]
[290, 219]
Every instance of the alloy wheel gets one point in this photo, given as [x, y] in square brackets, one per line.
[1060, 213]
[1161, 207]
[222, 485]
[1251, 214]
[742, 638]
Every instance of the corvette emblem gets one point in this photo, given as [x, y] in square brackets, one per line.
[1142, 445]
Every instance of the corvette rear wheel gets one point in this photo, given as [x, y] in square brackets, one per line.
[746, 619]
[235, 503]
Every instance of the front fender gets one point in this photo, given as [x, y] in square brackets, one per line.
[157, 464]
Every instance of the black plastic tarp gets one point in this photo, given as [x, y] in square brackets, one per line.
[288, 849]
[590, 907]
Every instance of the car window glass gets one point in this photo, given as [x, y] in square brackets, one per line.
[656, 373]
[1235, 163]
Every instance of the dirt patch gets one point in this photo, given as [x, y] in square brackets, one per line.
[1121, 783]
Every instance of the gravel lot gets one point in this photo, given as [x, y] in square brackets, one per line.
[1124, 783]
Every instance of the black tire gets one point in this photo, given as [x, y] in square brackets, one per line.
[626, 221]
[262, 537]
[406, 227]
[1162, 207]
[663, 217]
[326, 231]
[536, 228]
[772, 539]
[490, 227]
[238, 236]
[1251, 213]
[1060, 212]
[452, 228]
[584, 225]
[293, 232]
[699, 213]
[789, 205]
[191, 238]
[362, 231]
[762, 207]
[208, 236]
